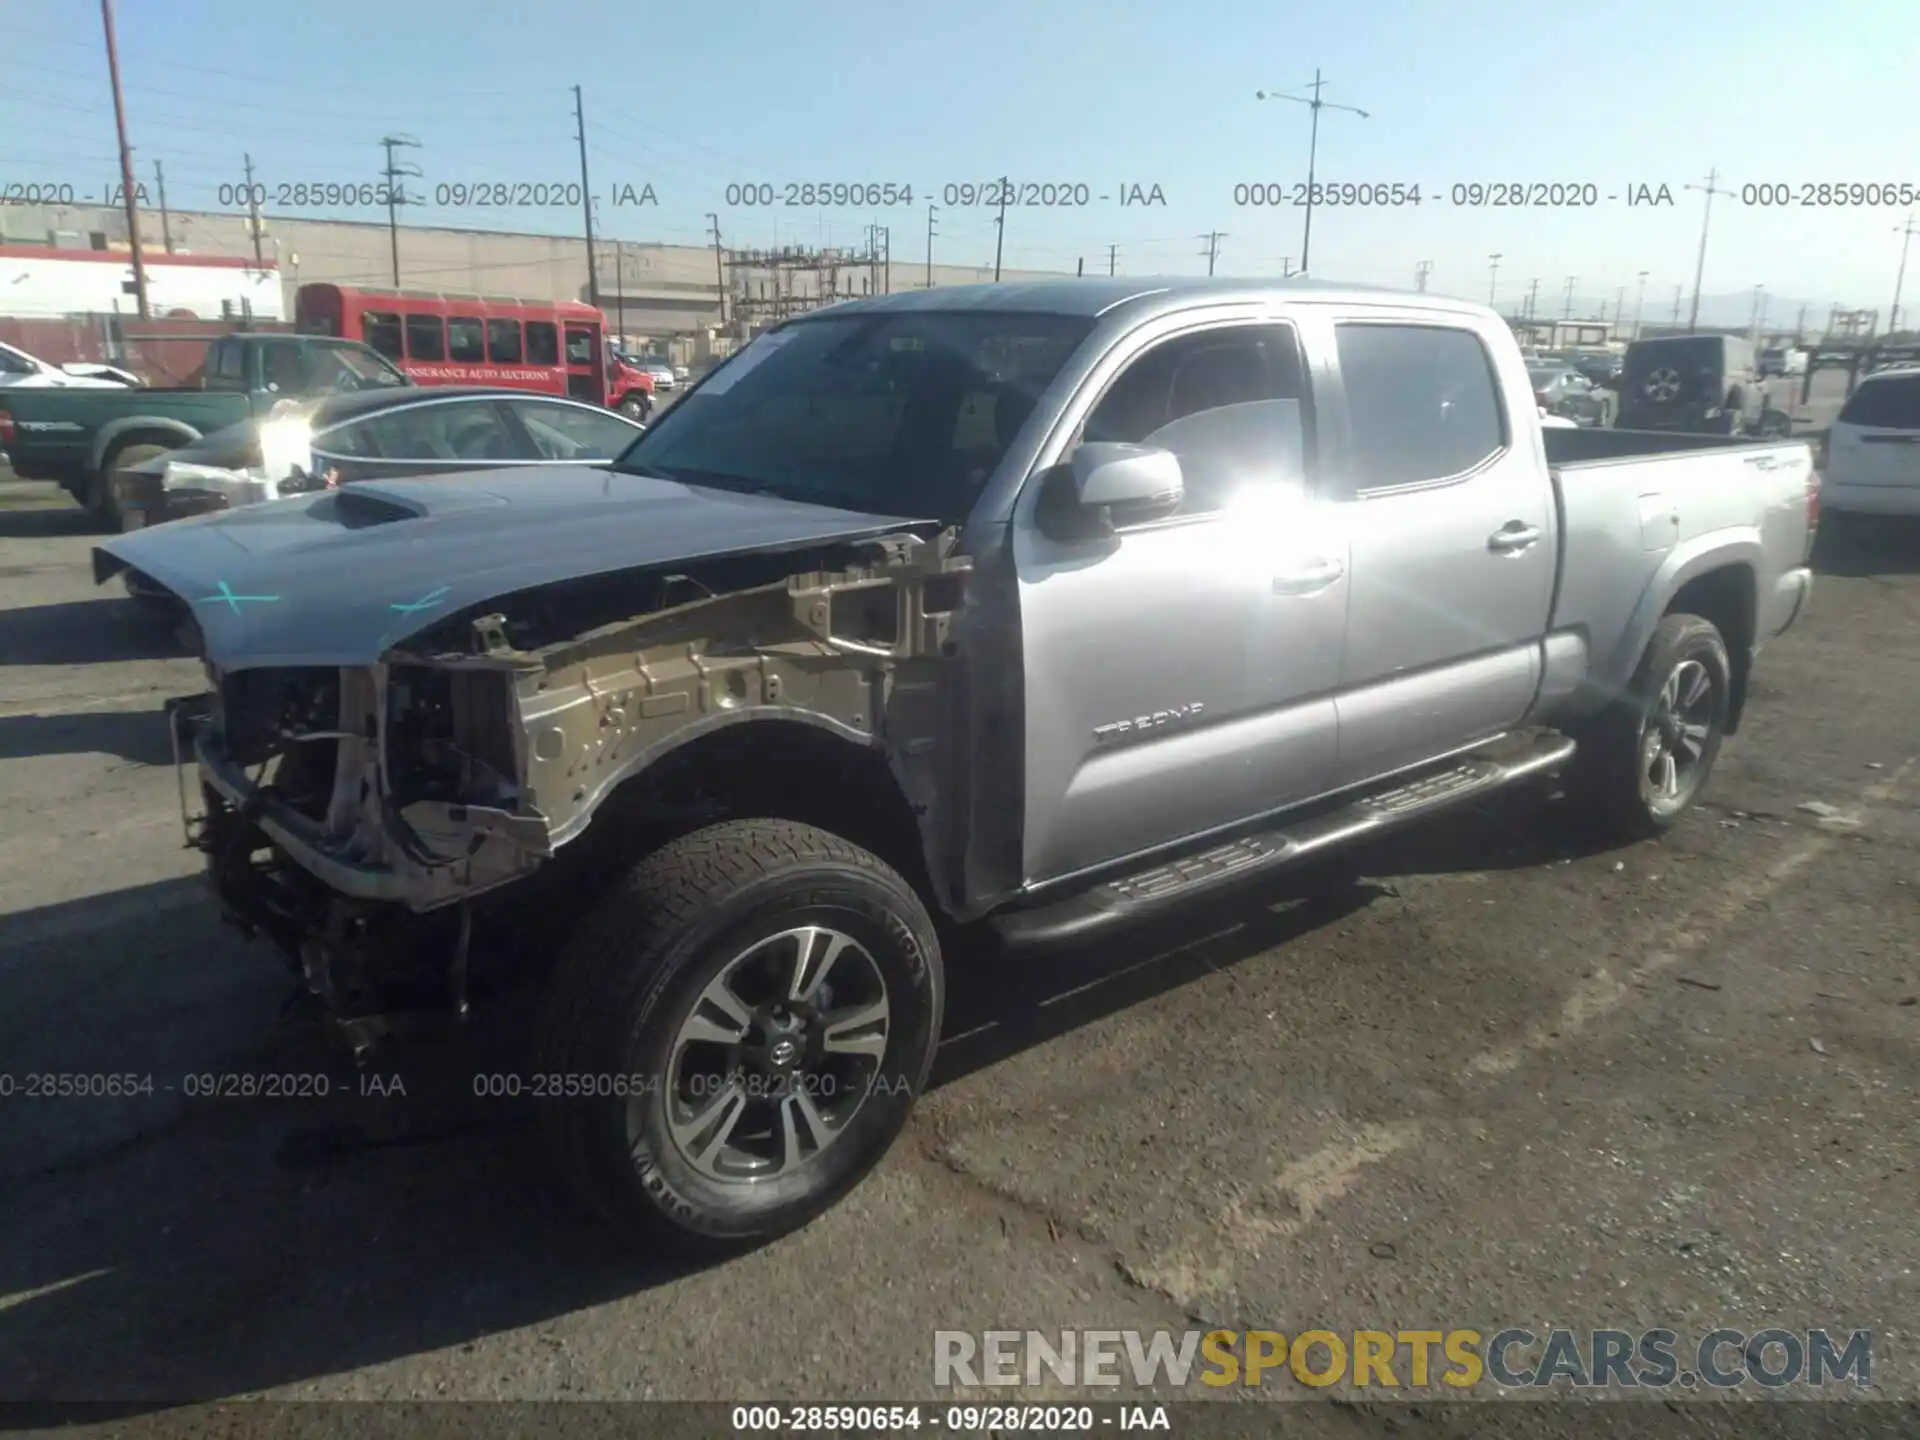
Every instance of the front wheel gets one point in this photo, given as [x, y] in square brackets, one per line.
[635, 407]
[1648, 757]
[738, 1033]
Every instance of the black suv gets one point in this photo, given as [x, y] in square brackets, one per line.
[1704, 384]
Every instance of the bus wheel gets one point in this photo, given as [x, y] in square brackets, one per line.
[635, 407]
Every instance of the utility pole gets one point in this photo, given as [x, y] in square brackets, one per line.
[1316, 104]
[1619, 307]
[619, 292]
[1639, 300]
[1900, 276]
[1567, 312]
[1080, 268]
[1113, 258]
[1759, 316]
[586, 197]
[1678, 291]
[1493, 276]
[1286, 267]
[1420, 273]
[1000, 227]
[931, 210]
[1212, 252]
[395, 175]
[166, 229]
[720, 265]
[886, 253]
[1700, 265]
[253, 212]
[1800, 326]
[126, 164]
[1533, 299]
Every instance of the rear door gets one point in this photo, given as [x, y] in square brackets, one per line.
[1451, 527]
[1876, 437]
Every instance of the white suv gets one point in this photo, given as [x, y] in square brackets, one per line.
[1873, 452]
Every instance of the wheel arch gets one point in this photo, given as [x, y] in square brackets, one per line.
[139, 430]
[1726, 596]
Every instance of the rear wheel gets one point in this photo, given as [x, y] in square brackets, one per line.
[739, 1031]
[104, 500]
[1647, 758]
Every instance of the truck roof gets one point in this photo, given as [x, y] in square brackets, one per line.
[1095, 296]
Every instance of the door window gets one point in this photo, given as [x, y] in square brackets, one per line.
[1422, 400]
[573, 432]
[285, 369]
[1228, 402]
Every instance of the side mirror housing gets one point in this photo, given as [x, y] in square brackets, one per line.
[1105, 485]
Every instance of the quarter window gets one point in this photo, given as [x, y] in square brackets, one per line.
[1423, 403]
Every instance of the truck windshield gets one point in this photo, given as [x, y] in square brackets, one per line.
[902, 413]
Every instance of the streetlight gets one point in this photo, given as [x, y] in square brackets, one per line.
[1493, 276]
[1316, 104]
[1639, 300]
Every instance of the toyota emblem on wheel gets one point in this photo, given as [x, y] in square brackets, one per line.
[1663, 385]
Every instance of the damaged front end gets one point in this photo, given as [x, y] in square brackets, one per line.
[359, 816]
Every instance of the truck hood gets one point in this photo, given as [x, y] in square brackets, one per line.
[341, 577]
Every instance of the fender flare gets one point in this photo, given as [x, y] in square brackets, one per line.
[1737, 547]
[110, 436]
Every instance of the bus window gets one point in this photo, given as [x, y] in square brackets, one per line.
[464, 341]
[382, 332]
[503, 342]
[424, 338]
[579, 346]
[543, 343]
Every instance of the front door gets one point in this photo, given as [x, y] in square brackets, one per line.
[586, 365]
[1179, 675]
[1451, 523]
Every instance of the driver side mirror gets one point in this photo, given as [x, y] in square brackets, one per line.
[1106, 485]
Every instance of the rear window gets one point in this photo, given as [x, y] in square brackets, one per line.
[1892, 402]
[1699, 353]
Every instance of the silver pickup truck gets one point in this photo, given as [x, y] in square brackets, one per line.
[1044, 606]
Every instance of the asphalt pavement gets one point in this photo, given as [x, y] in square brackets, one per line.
[1493, 1073]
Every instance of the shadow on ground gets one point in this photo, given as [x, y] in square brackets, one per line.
[1866, 546]
[231, 1245]
[88, 632]
[141, 738]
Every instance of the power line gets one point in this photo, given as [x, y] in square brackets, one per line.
[395, 178]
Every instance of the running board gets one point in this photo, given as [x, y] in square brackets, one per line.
[1226, 866]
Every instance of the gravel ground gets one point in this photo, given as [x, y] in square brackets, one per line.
[1499, 1076]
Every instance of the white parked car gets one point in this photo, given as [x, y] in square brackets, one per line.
[18, 369]
[1873, 451]
[662, 373]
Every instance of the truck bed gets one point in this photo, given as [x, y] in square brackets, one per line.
[1642, 513]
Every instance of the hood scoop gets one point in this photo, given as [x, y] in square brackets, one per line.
[355, 507]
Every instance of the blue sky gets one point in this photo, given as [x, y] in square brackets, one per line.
[691, 98]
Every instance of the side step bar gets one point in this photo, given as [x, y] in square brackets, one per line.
[1168, 884]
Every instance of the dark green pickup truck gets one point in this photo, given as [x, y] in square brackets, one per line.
[85, 438]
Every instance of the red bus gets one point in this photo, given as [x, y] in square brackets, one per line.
[551, 347]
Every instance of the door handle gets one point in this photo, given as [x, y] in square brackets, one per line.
[1315, 575]
[1514, 535]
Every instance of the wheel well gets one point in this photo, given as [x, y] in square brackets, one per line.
[1725, 596]
[779, 769]
[166, 439]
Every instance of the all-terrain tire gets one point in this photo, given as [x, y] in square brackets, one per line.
[1618, 772]
[634, 971]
